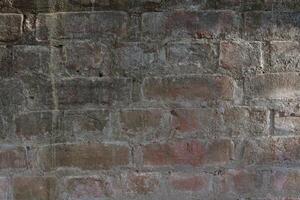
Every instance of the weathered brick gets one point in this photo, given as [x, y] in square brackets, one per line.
[33, 5]
[31, 59]
[141, 121]
[194, 153]
[28, 188]
[12, 157]
[11, 96]
[80, 92]
[83, 122]
[199, 121]
[273, 86]
[4, 188]
[39, 91]
[92, 187]
[285, 181]
[141, 183]
[134, 59]
[245, 181]
[84, 156]
[180, 88]
[286, 124]
[184, 24]
[228, 121]
[5, 62]
[11, 27]
[84, 58]
[240, 57]
[195, 57]
[271, 25]
[186, 182]
[33, 124]
[271, 151]
[90, 3]
[82, 25]
[284, 56]
[246, 121]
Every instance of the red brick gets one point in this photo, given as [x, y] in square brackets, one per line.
[93, 187]
[189, 182]
[240, 57]
[273, 86]
[28, 188]
[11, 27]
[245, 182]
[194, 153]
[141, 183]
[179, 88]
[230, 121]
[12, 157]
[84, 156]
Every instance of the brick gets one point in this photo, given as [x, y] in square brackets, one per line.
[284, 56]
[31, 59]
[84, 156]
[185, 88]
[82, 25]
[228, 121]
[92, 187]
[184, 24]
[28, 188]
[39, 91]
[142, 183]
[11, 27]
[185, 182]
[246, 121]
[33, 5]
[271, 151]
[134, 59]
[78, 92]
[4, 188]
[12, 157]
[11, 95]
[246, 182]
[272, 5]
[195, 57]
[278, 86]
[90, 3]
[199, 121]
[85, 58]
[240, 57]
[271, 25]
[5, 62]
[33, 124]
[286, 124]
[139, 121]
[285, 181]
[193, 153]
[84, 122]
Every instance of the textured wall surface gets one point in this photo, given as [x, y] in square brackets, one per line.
[149, 99]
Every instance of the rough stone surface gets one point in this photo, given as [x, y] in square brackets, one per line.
[149, 99]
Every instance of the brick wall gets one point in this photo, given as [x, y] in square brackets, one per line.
[149, 99]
